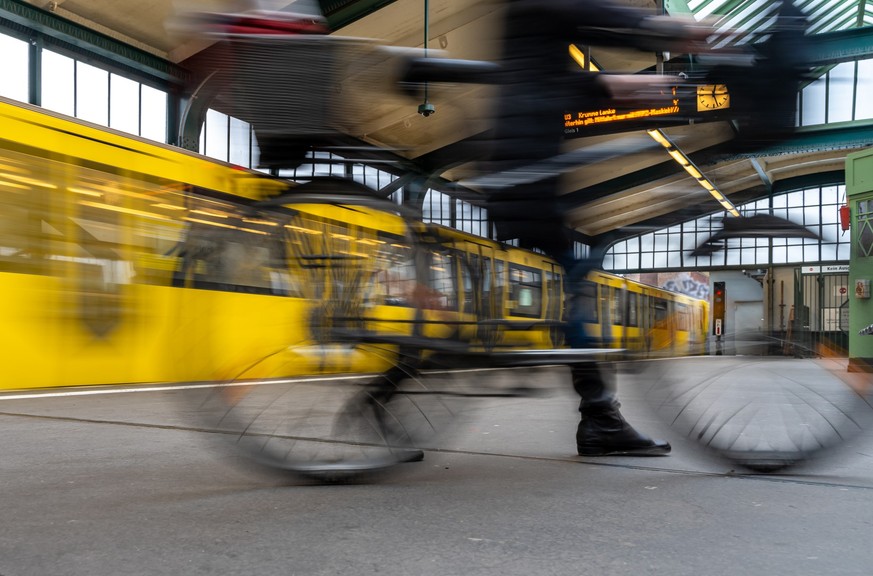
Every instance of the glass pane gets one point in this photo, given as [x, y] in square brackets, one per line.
[437, 208]
[840, 91]
[828, 252]
[647, 261]
[864, 104]
[92, 94]
[216, 135]
[813, 111]
[732, 254]
[647, 242]
[256, 155]
[795, 254]
[794, 199]
[154, 114]
[240, 143]
[830, 233]
[780, 255]
[375, 178]
[58, 83]
[762, 257]
[811, 215]
[123, 104]
[13, 68]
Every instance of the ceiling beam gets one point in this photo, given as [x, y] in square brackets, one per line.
[836, 47]
[340, 13]
[761, 173]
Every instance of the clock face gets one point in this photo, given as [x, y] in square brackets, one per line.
[713, 97]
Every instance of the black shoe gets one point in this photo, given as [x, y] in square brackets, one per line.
[615, 438]
[411, 455]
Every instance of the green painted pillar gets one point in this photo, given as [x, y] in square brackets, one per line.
[859, 194]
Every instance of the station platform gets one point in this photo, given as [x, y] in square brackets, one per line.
[120, 480]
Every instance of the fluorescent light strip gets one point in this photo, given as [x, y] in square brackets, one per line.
[579, 56]
[692, 170]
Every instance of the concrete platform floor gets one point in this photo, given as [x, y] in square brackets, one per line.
[117, 481]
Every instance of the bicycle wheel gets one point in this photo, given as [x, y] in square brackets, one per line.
[331, 428]
[763, 413]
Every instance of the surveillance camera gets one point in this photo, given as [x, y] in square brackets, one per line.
[426, 109]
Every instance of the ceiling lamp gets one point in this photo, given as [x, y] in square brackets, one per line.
[579, 56]
[689, 167]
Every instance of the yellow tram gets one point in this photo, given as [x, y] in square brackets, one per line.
[127, 261]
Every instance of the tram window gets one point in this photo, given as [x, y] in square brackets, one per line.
[632, 309]
[587, 302]
[467, 282]
[395, 281]
[499, 285]
[526, 286]
[486, 287]
[100, 223]
[232, 254]
[559, 296]
[553, 308]
[661, 309]
[617, 306]
[442, 282]
[485, 272]
[24, 232]
[682, 317]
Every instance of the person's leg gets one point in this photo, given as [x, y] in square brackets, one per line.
[603, 431]
[374, 406]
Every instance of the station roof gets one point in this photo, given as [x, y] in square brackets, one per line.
[626, 183]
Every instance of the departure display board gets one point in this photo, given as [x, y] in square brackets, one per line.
[612, 115]
[698, 103]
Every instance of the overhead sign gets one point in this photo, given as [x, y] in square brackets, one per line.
[611, 115]
[700, 103]
[828, 269]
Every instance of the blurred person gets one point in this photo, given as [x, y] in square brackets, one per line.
[539, 84]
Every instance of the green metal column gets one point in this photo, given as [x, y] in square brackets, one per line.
[859, 191]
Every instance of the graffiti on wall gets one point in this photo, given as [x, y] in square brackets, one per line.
[689, 284]
[694, 284]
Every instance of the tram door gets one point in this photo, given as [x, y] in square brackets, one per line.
[821, 311]
[646, 322]
[605, 319]
[553, 305]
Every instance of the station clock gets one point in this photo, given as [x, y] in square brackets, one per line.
[713, 97]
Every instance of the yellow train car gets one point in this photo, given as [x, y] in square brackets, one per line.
[517, 294]
[122, 261]
[645, 320]
[127, 261]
